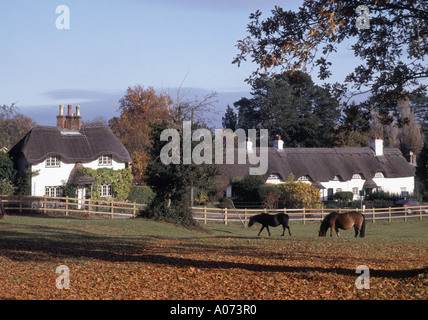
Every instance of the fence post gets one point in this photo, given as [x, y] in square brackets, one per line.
[245, 216]
[44, 204]
[66, 206]
[20, 204]
[405, 214]
[112, 209]
[225, 215]
[389, 214]
[134, 210]
[205, 215]
[374, 214]
[420, 213]
[304, 216]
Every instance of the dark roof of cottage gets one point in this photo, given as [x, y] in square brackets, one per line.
[84, 146]
[324, 164]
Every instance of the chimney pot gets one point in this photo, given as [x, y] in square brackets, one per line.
[69, 110]
[78, 111]
[61, 109]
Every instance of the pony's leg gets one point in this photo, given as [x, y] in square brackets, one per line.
[337, 232]
[261, 229]
[283, 230]
[267, 228]
[356, 230]
[289, 232]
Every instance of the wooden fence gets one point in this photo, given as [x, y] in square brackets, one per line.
[66, 206]
[226, 215]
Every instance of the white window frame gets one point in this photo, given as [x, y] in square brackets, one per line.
[356, 176]
[305, 178]
[106, 191]
[54, 191]
[105, 160]
[53, 162]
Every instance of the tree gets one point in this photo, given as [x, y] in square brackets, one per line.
[291, 105]
[173, 182]
[391, 49]
[13, 125]
[353, 129]
[422, 171]
[139, 109]
[230, 119]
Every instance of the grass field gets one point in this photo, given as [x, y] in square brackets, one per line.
[142, 259]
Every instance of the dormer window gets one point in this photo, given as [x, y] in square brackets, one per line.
[53, 162]
[356, 176]
[337, 178]
[105, 160]
[274, 178]
[304, 178]
[379, 175]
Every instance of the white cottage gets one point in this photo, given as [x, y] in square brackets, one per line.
[334, 169]
[56, 153]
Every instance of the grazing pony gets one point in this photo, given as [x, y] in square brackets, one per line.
[336, 221]
[272, 220]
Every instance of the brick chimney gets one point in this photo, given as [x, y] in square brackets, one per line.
[60, 119]
[70, 122]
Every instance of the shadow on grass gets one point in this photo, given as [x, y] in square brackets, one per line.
[42, 243]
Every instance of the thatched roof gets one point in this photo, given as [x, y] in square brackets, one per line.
[324, 164]
[84, 146]
[79, 179]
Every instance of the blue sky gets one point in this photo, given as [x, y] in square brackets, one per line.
[115, 44]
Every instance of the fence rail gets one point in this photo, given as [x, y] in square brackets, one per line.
[225, 215]
[70, 206]
[114, 209]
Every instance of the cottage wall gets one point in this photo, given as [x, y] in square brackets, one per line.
[57, 176]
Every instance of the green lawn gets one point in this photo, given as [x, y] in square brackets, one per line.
[38, 226]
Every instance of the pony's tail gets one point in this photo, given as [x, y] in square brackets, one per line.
[363, 228]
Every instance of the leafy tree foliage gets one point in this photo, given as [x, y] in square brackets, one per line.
[13, 125]
[139, 109]
[391, 50]
[291, 105]
[230, 119]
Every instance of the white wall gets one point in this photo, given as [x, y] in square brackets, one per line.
[392, 185]
[50, 177]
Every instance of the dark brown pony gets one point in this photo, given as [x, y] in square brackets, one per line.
[273, 220]
[343, 221]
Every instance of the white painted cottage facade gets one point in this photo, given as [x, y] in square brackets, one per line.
[54, 155]
[334, 169]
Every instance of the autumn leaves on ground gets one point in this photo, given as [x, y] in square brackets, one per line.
[141, 259]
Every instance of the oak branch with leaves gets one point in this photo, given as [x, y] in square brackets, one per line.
[392, 50]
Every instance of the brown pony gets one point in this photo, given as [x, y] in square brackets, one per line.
[343, 221]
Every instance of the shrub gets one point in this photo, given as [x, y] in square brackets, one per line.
[269, 195]
[343, 196]
[141, 194]
[246, 188]
[299, 194]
